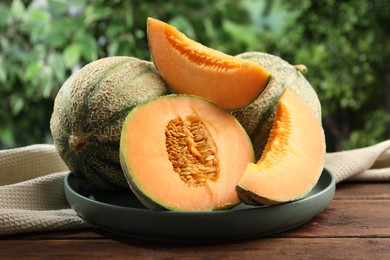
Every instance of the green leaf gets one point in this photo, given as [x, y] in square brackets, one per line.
[112, 49]
[240, 33]
[58, 34]
[89, 48]
[95, 13]
[72, 54]
[209, 28]
[3, 15]
[183, 25]
[129, 20]
[37, 24]
[33, 69]
[17, 103]
[7, 138]
[17, 9]
[113, 30]
[46, 77]
[3, 71]
[62, 6]
[39, 32]
[37, 15]
[125, 46]
[55, 61]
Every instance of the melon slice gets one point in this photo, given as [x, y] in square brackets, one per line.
[184, 153]
[293, 158]
[192, 68]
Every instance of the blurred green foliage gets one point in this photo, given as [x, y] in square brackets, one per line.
[343, 43]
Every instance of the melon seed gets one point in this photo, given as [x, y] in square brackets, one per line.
[191, 150]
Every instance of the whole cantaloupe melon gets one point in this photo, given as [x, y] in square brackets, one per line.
[257, 117]
[89, 111]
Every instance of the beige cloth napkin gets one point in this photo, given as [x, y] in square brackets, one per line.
[32, 189]
[365, 164]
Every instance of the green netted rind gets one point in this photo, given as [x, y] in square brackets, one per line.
[89, 111]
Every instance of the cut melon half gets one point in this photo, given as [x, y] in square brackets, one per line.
[293, 158]
[192, 68]
[184, 153]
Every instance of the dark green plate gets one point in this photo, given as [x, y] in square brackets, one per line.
[121, 212]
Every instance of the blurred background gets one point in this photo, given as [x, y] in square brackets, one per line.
[344, 44]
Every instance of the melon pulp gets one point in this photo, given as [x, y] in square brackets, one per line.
[184, 153]
[89, 111]
[192, 68]
[293, 158]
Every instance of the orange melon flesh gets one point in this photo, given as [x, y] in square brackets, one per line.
[293, 159]
[151, 174]
[192, 68]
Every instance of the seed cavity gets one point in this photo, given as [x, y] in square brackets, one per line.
[191, 150]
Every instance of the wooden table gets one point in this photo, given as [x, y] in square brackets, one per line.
[356, 225]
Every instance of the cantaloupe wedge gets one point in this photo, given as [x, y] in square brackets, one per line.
[293, 158]
[192, 68]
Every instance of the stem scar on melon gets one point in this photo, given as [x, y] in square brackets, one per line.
[176, 157]
[292, 160]
[192, 68]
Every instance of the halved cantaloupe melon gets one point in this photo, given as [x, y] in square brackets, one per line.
[293, 158]
[184, 153]
[192, 68]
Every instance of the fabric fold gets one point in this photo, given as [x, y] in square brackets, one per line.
[364, 164]
[25, 163]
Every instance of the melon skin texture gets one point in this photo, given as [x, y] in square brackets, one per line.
[89, 111]
[257, 117]
[189, 154]
[189, 67]
[293, 158]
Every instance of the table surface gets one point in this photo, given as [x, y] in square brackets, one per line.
[356, 225]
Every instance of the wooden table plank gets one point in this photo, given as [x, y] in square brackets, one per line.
[349, 218]
[286, 248]
[358, 210]
[358, 190]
